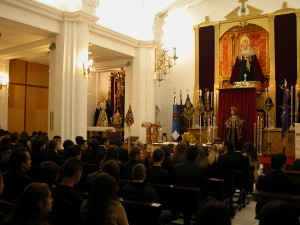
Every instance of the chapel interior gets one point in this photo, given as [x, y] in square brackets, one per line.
[120, 69]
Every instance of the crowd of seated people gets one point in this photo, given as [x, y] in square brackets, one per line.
[83, 177]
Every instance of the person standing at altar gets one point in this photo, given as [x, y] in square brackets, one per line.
[234, 125]
[246, 63]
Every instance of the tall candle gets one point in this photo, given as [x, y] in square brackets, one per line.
[254, 135]
[292, 93]
[257, 133]
[296, 104]
[211, 100]
[260, 138]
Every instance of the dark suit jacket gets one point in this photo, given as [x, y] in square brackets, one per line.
[37, 156]
[126, 169]
[139, 192]
[95, 156]
[189, 173]
[158, 175]
[53, 156]
[276, 181]
[15, 181]
[241, 163]
[224, 170]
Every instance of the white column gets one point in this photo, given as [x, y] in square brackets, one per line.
[68, 87]
[4, 68]
[142, 90]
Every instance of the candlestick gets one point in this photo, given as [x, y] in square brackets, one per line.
[200, 127]
[292, 94]
[257, 134]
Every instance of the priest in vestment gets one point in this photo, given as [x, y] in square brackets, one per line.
[234, 125]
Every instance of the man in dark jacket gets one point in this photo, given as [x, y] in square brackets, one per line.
[136, 156]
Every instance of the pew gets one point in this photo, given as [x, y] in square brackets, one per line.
[145, 213]
[293, 174]
[240, 180]
[216, 186]
[186, 200]
[264, 197]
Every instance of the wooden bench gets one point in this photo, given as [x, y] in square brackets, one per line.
[180, 199]
[145, 213]
[293, 174]
[265, 197]
[216, 186]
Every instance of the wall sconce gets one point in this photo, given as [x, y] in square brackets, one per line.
[3, 80]
[164, 60]
[88, 68]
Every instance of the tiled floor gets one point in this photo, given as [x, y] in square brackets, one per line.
[243, 217]
[246, 215]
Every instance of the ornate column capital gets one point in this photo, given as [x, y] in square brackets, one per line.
[89, 6]
[158, 26]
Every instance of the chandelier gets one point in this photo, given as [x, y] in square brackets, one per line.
[164, 60]
[88, 68]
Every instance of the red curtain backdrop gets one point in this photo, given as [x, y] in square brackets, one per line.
[207, 57]
[285, 57]
[244, 99]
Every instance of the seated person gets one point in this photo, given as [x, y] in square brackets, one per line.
[15, 180]
[47, 172]
[156, 174]
[140, 191]
[276, 181]
[189, 173]
[214, 212]
[32, 206]
[67, 201]
[278, 213]
[52, 152]
[136, 157]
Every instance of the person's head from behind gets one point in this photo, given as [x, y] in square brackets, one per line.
[250, 151]
[214, 212]
[20, 159]
[67, 143]
[136, 153]
[278, 161]
[192, 153]
[167, 151]
[94, 144]
[278, 213]
[78, 139]
[73, 151]
[158, 156]
[53, 145]
[47, 172]
[181, 148]
[139, 172]
[119, 142]
[238, 146]
[38, 144]
[102, 194]
[112, 153]
[112, 168]
[72, 169]
[33, 202]
[14, 137]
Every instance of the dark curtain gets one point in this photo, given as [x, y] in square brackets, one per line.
[206, 57]
[285, 57]
[244, 99]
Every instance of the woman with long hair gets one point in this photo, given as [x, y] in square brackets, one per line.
[253, 158]
[31, 206]
[102, 206]
[179, 154]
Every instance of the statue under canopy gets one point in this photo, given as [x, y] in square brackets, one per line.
[234, 125]
[246, 64]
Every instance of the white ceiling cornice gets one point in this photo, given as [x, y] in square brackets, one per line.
[114, 35]
[37, 8]
[80, 16]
